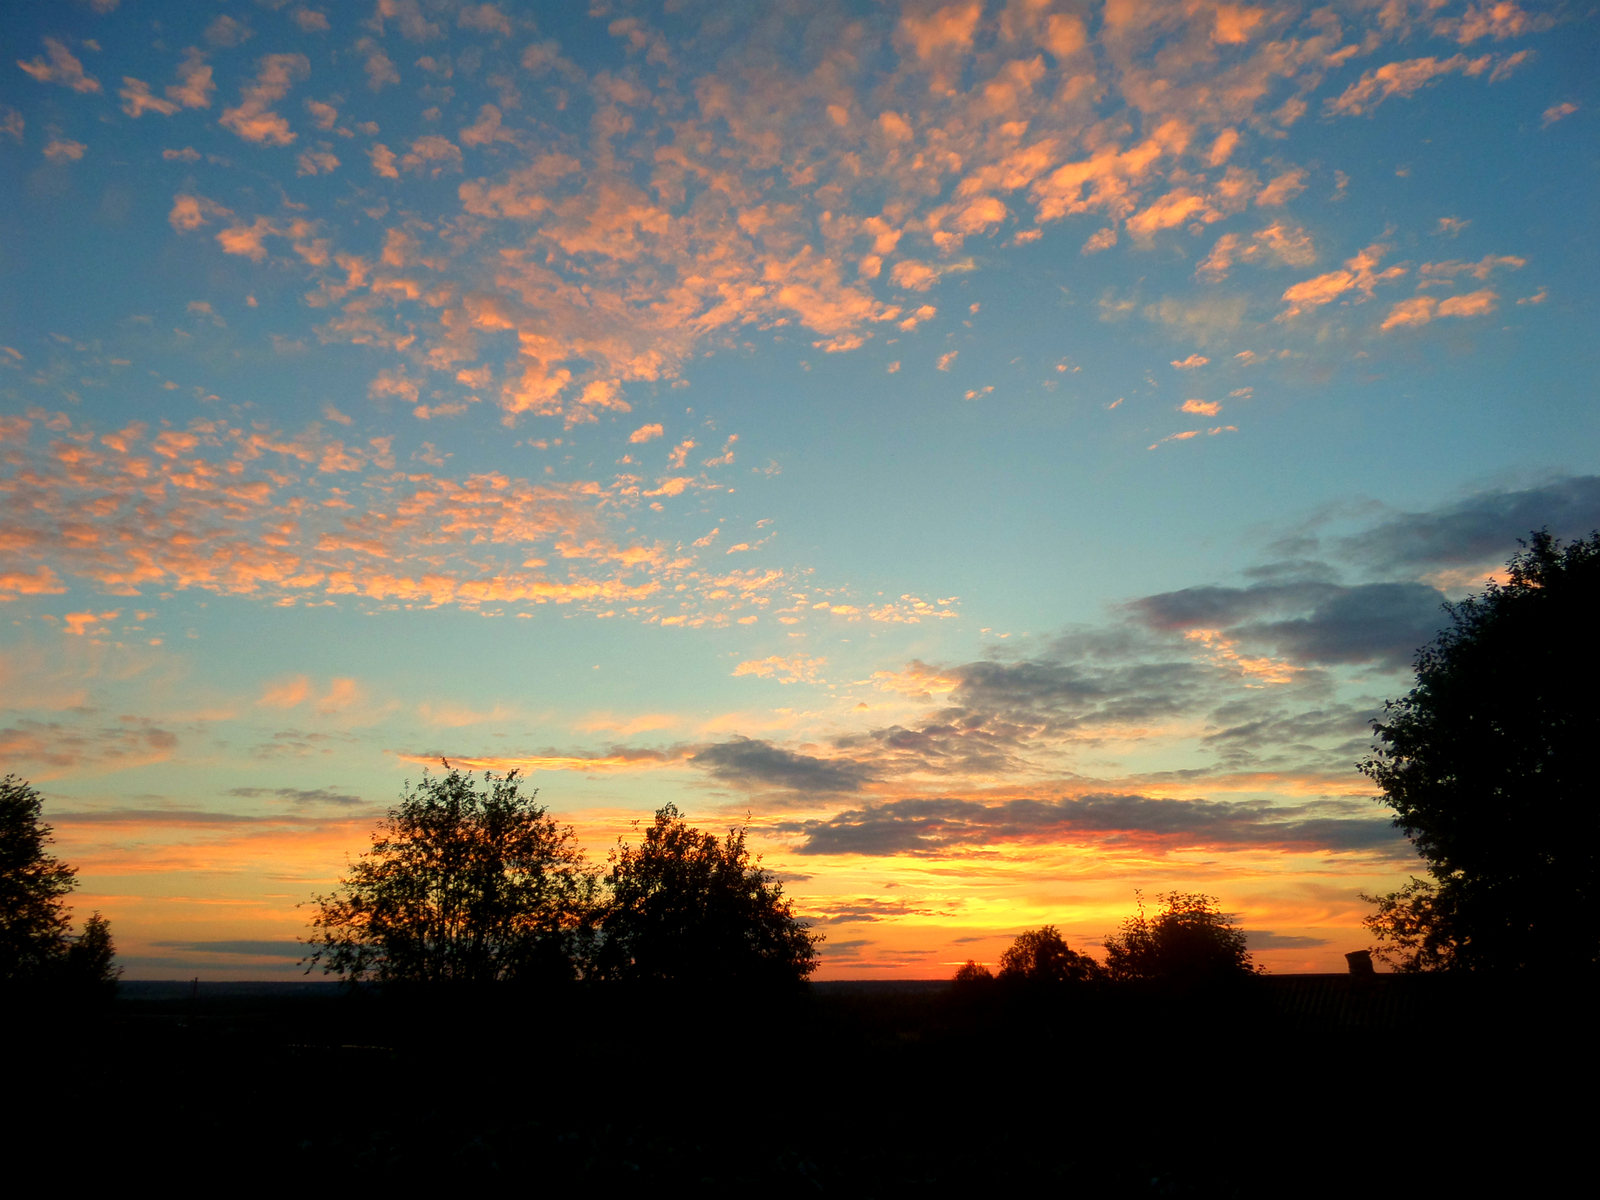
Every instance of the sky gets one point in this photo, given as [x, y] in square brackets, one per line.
[1003, 453]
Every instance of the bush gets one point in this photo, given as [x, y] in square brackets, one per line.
[1190, 941]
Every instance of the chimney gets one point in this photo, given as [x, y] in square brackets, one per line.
[1360, 962]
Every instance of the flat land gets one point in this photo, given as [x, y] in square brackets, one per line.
[1289, 1085]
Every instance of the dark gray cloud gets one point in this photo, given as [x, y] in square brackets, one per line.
[1225, 607]
[1482, 528]
[754, 763]
[244, 947]
[851, 949]
[293, 743]
[296, 796]
[1265, 939]
[1383, 623]
[1258, 727]
[1310, 622]
[1258, 733]
[940, 825]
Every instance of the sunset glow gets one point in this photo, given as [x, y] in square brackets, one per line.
[1004, 452]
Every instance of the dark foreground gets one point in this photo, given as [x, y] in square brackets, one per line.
[1305, 1085]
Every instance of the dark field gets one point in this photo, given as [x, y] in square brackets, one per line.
[1289, 1085]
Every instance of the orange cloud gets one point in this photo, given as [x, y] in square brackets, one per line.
[1282, 189]
[1420, 310]
[80, 623]
[1358, 276]
[286, 694]
[41, 581]
[619, 760]
[794, 669]
[1400, 79]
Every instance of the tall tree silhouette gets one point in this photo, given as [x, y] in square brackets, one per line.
[37, 947]
[463, 884]
[687, 905]
[1489, 766]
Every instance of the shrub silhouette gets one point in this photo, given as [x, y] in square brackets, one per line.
[1488, 764]
[688, 906]
[971, 974]
[1041, 956]
[1189, 942]
[463, 884]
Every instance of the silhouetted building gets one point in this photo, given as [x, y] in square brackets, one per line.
[1360, 962]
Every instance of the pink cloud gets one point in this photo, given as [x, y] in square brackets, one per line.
[191, 212]
[137, 100]
[62, 68]
[484, 18]
[1555, 112]
[253, 120]
[59, 150]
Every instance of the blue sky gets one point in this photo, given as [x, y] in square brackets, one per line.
[1006, 451]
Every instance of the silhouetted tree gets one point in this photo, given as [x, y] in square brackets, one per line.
[36, 943]
[462, 885]
[1190, 941]
[1041, 956]
[1489, 766]
[688, 906]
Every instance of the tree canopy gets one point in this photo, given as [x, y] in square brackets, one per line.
[464, 883]
[1041, 956]
[1488, 764]
[687, 905]
[1190, 941]
[36, 941]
